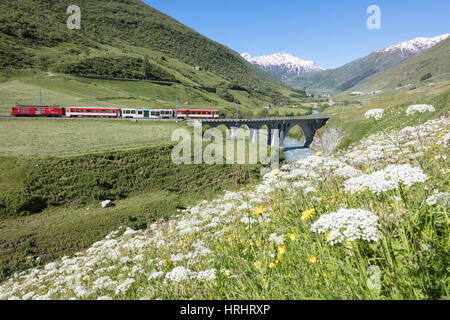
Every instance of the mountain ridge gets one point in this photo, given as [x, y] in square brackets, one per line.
[427, 68]
[283, 65]
[364, 69]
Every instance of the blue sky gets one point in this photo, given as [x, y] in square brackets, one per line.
[330, 32]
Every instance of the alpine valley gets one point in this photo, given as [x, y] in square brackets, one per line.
[306, 75]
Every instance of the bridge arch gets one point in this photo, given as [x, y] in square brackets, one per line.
[278, 127]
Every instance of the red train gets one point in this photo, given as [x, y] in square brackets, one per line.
[37, 111]
[196, 114]
[75, 111]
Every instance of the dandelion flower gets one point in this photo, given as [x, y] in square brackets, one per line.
[276, 172]
[313, 259]
[281, 250]
[307, 214]
[259, 211]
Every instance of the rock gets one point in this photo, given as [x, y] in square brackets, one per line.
[328, 140]
[107, 204]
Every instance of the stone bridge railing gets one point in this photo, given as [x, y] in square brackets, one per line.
[278, 127]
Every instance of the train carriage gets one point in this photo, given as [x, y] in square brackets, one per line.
[196, 114]
[37, 111]
[131, 113]
[147, 113]
[93, 112]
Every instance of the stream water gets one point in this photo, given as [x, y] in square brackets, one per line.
[294, 150]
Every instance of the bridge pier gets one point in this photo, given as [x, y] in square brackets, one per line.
[254, 136]
[309, 129]
[233, 131]
[275, 138]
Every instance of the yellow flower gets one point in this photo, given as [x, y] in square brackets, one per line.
[281, 250]
[272, 265]
[227, 273]
[319, 153]
[169, 232]
[257, 265]
[308, 214]
[259, 211]
[313, 259]
[328, 237]
[276, 172]
[292, 236]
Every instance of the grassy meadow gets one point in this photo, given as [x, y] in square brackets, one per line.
[44, 137]
[368, 223]
[356, 126]
[50, 206]
[55, 173]
[174, 234]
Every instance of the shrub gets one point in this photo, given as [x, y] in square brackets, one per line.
[22, 204]
[426, 76]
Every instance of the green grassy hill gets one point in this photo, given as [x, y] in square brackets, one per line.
[430, 66]
[126, 39]
[377, 70]
[349, 75]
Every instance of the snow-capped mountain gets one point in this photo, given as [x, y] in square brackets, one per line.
[283, 65]
[364, 69]
[416, 45]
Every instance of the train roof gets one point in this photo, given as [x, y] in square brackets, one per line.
[36, 106]
[197, 110]
[147, 109]
[109, 108]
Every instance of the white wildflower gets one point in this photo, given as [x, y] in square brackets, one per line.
[441, 199]
[377, 114]
[179, 274]
[421, 108]
[385, 180]
[348, 224]
[278, 240]
[207, 275]
[124, 286]
[155, 275]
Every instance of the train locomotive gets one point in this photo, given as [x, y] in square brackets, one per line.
[111, 112]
